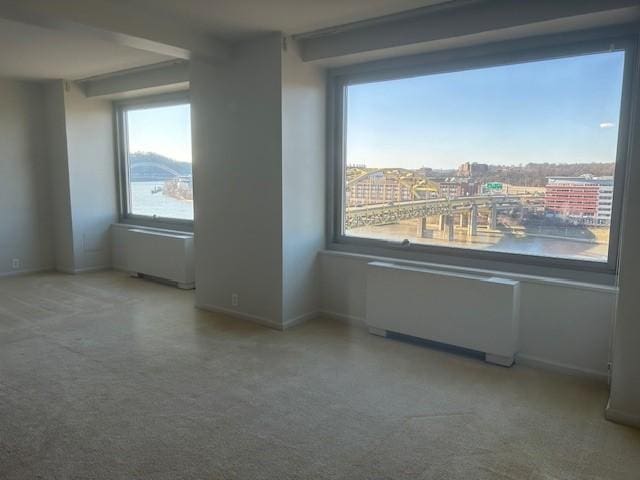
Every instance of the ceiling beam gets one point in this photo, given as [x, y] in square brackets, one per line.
[174, 74]
[456, 19]
[118, 23]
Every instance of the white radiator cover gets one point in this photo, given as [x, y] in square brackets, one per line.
[164, 255]
[471, 311]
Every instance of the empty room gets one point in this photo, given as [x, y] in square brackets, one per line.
[285, 239]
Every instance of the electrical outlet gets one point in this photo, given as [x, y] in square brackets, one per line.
[15, 263]
[234, 299]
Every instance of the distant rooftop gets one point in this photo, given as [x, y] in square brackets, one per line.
[586, 179]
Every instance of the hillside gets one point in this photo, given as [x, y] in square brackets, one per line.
[535, 174]
[149, 166]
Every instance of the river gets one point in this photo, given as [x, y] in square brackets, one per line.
[522, 244]
[144, 202]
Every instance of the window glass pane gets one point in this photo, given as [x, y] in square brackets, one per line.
[159, 159]
[517, 158]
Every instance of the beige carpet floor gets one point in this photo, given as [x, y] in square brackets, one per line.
[108, 377]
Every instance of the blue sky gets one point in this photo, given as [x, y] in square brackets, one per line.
[558, 111]
[163, 130]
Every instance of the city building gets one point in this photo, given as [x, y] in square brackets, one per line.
[585, 199]
[509, 189]
[456, 187]
[469, 169]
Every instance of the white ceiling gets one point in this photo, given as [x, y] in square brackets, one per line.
[34, 50]
[236, 19]
[31, 52]
[46, 47]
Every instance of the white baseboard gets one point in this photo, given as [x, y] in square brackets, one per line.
[542, 364]
[70, 271]
[99, 268]
[350, 319]
[301, 319]
[242, 316]
[258, 319]
[26, 271]
[74, 271]
[623, 418]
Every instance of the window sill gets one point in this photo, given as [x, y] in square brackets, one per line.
[182, 226]
[539, 275]
[131, 226]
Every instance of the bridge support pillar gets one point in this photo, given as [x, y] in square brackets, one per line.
[521, 212]
[473, 221]
[442, 222]
[421, 227]
[493, 217]
[450, 228]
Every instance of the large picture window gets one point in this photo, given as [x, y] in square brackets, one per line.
[519, 158]
[155, 167]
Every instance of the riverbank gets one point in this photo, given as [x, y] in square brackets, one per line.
[501, 240]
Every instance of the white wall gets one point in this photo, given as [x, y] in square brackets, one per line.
[258, 147]
[567, 326]
[25, 228]
[303, 182]
[92, 177]
[562, 326]
[59, 176]
[236, 113]
[624, 403]
[83, 180]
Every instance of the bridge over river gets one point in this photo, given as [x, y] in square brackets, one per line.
[467, 209]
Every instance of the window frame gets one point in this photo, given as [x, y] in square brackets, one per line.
[469, 58]
[121, 108]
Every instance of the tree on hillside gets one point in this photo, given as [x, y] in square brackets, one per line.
[155, 167]
[535, 174]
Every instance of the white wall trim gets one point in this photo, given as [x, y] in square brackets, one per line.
[242, 316]
[542, 364]
[558, 282]
[28, 271]
[624, 418]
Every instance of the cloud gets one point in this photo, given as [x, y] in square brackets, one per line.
[607, 125]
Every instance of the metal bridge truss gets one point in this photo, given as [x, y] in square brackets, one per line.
[393, 213]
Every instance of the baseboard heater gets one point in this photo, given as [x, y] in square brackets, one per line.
[161, 255]
[470, 311]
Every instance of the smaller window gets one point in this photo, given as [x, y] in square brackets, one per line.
[156, 178]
